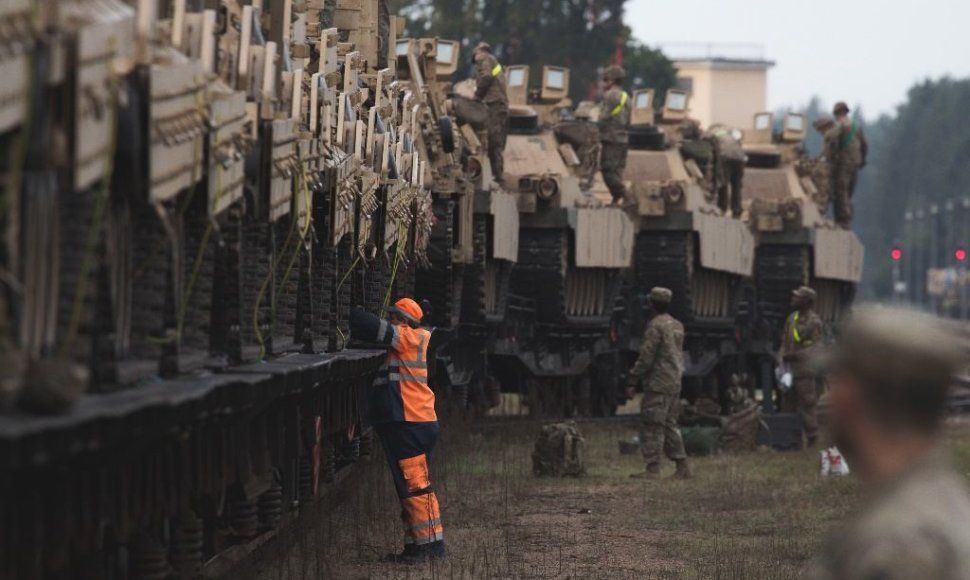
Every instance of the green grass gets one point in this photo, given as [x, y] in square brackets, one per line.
[761, 515]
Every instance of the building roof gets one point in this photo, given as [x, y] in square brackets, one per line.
[725, 63]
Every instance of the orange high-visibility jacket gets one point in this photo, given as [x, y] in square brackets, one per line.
[400, 391]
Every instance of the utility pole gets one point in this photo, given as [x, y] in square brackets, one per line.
[964, 239]
[919, 269]
[908, 246]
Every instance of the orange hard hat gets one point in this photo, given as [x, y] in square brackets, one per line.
[409, 309]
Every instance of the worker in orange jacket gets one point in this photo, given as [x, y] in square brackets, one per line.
[403, 415]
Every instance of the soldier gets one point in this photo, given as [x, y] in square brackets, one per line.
[613, 121]
[729, 160]
[491, 90]
[661, 363]
[403, 414]
[802, 333]
[888, 377]
[847, 154]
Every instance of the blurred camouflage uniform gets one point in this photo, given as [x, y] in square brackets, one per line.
[914, 520]
[802, 333]
[661, 362]
[490, 88]
[327, 14]
[729, 170]
[383, 34]
[613, 121]
[917, 526]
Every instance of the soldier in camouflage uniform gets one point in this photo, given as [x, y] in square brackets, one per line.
[660, 366]
[613, 122]
[888, 379]
[491, 90]
[846, 151]
[801, 335]
[729, 160]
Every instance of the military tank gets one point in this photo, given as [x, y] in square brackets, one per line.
[193, 201]
[571, 255]
[685, 243]
[785, 195]
[473, 235]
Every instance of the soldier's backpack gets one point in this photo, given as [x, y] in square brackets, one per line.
[559, 451]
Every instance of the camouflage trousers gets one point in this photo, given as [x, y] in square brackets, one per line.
[613, 164]
[730, 177]
[498, 129]
[659, 431]
[803, 399]
[843, 186]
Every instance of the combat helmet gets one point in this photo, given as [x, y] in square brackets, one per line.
[614, 73]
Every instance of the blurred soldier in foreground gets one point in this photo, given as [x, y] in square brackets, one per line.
[661, 364]
[613, 122]
[888, 376]
[402, 412]
[802, 333]
[729, 159]
[491, 90]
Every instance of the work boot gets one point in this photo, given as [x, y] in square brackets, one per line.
[418, 554]
[652, 472]
[683, 470]
[410, 551]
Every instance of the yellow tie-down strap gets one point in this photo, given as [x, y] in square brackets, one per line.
[496, 70]
[616, 110]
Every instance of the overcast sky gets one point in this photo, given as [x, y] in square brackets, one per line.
[866, 52]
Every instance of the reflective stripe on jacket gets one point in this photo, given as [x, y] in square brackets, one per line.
[400, 391]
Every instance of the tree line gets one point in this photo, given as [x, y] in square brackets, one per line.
[583, 35]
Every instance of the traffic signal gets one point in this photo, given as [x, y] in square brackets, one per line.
[960, 254]
[896, 254]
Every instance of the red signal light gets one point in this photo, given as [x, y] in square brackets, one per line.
[960, 254]
[896, 254]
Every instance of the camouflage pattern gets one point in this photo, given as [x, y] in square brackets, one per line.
[383, 34]
[917, 526]
[497, 128]
[730, 181]
[327, 14]
[659, 431]
[614, 118]
[490, 87]
[803, 397]
[558, 451]
[845, 151]
[613, 164]
[739, 430]
[661, 359]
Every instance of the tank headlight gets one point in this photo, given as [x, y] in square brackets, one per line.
[473, 167]
[547, 187]
[673, 193]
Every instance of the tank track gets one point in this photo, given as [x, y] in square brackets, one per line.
[779, 269]
[441, 282]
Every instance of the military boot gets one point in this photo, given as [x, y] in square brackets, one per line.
[683, 470]
[652, 472]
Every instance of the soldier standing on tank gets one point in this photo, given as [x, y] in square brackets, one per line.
[491, 90]
[848, 151]
[888, 375]
[613, 122]
[729, 160]
[801, 335]
[660, 365]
